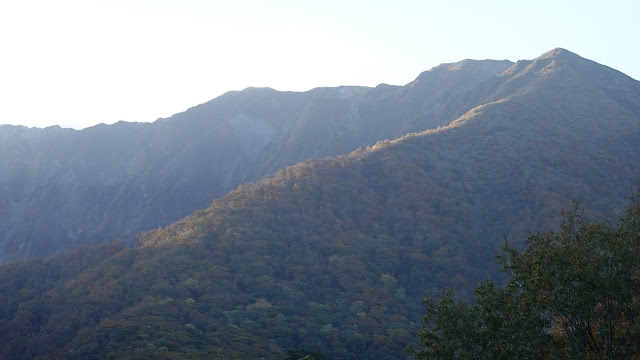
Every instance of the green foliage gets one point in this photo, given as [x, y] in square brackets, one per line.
[500, 325]
[574, 293]
[302, 354]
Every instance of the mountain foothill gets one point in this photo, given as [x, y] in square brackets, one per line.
[324, 216]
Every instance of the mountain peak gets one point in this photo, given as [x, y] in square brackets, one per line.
[560, 53]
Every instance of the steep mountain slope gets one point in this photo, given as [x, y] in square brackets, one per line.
[61, 188]
[334, 254]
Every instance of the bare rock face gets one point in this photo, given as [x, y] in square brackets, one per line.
[253, 133]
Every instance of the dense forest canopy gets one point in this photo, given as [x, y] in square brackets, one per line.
[571, 294]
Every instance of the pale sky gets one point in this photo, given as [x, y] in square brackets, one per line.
[79, 63]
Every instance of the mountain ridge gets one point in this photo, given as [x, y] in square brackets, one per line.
[113, 181]
[120, 179]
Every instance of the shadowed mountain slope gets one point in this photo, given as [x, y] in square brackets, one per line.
[335, 254]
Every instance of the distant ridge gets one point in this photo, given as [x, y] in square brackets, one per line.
[62, 188]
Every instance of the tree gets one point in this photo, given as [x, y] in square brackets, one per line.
[574, 293]
[302, 354]
[502, 324]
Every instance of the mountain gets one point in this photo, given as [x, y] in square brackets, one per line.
[333, 255]
[61, 188]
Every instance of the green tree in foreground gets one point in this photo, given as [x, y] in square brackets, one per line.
[572, 294]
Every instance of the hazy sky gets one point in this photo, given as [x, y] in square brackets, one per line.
[79, 63]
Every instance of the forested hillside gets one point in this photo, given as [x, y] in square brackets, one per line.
[334, 255]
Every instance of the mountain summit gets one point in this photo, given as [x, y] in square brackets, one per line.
[560, 53]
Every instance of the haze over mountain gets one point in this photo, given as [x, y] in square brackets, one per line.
[60, 188]
[334, 254]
